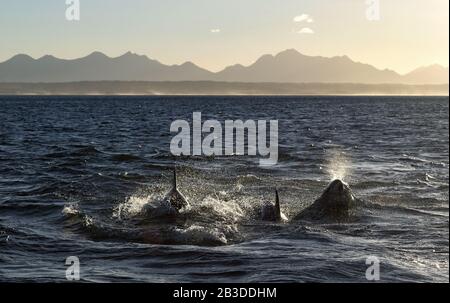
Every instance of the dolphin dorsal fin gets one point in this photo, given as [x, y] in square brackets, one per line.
[174, 184]
[277, 205]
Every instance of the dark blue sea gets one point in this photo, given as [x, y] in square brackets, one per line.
[76, 173]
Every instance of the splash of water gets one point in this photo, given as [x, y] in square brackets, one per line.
[197, 234]
[338, 165]
[133, 206]
[227, 210]
[71, 210]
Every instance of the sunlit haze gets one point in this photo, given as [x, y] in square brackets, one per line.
[217, 33]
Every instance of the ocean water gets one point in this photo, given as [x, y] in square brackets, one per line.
[76, 174]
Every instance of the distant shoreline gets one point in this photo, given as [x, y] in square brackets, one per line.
[143, 88]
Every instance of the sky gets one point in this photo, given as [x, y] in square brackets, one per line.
[217, 33]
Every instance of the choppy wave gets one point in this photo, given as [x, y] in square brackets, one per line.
[87, 178]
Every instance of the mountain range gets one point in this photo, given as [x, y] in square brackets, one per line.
[289, 66]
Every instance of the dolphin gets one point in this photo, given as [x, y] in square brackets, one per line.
[174, 198]
[169, 207]
[272, 212]
[336, 203]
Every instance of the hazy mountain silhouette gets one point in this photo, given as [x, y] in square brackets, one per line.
[96, 67]
[292, 66]
[289, 66]
[428, 75]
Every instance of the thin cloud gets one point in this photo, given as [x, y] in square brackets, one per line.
[306, 30]
[303, 17]
[215, 30]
